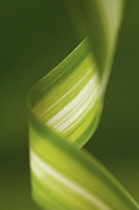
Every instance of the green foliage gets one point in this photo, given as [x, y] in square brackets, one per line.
[65, 108]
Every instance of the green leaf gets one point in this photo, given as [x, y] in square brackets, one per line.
[65, 108]
[101, 20]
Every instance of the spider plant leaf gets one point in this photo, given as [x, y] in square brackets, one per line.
[65, 108]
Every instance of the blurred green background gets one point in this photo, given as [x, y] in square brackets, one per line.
[35, 36]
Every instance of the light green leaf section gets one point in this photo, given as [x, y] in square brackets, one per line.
[68, 98]
[65, 108]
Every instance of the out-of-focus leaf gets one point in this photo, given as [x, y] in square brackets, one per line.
[101, 20]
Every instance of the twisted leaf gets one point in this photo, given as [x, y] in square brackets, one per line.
[65, 108]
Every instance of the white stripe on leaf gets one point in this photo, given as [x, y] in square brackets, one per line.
[44, 168]
[72, 89]
[86, 95]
